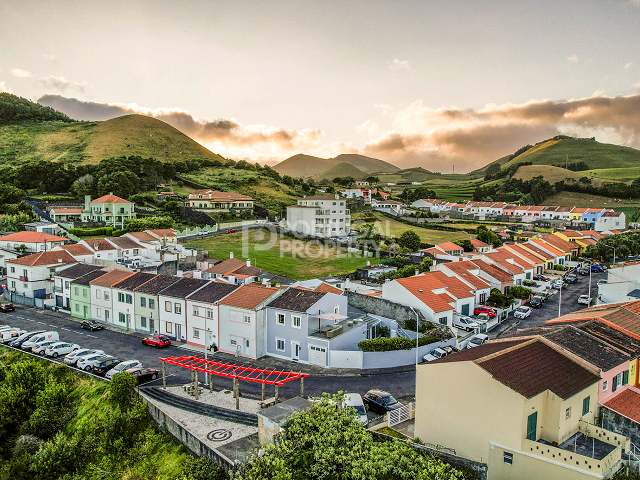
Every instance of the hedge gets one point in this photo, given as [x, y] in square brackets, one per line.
[385, 344]
[90, 232]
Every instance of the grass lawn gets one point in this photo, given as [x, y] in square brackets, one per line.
[620, 174]
[286, 256]
[392, 228]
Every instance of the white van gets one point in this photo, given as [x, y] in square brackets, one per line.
[40, 337]
[7, 336]
[354, 400]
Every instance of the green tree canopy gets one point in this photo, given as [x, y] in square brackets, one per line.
[410, 240]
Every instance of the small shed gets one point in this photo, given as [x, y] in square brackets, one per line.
[272, 419]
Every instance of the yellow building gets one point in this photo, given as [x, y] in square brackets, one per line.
[521, 406]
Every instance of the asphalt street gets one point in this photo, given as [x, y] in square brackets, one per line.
[126, 346]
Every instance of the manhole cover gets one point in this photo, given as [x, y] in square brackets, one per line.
[219, 435]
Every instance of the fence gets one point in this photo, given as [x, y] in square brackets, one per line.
[399, 415]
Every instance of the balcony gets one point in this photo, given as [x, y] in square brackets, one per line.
[591, 448]
[330, 325]
[24, 278]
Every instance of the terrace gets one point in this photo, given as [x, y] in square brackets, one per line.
[331, 325]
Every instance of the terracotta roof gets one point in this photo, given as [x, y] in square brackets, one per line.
[542, 244]
[227, 267]
[533, 367]
[478, 243]
[326, 288]
[75, 249]
[248, 296]
[183, 287]
[143, 236]
[99, 244]
[52, 257]
[133, 281]
[31, 237]
[162, 232]
[494, 271]
[212, 292]
[523, 252]
[559, 243]
[109, 199]
[436, 290]
[578, 210]
[463, 268]
[109, 279]
[626, 403]
[218, 196]
[449, 246]
[124, 243]
[537, 250]
[501, 260]
[296, 299]
[66, 210]
[77, 270]
[571, 233]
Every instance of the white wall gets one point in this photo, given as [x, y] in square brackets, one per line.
[102, 304]
[175, 317]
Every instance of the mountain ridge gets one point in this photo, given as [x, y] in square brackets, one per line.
[308, 166]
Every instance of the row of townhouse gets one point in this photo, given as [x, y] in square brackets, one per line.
[250, 320]
[460, 281]
[602, 219]
[558, 402]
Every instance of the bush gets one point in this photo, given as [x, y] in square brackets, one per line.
[529, 283]
[385, 344]
[92, 232]
[521, 293]
[559, 268]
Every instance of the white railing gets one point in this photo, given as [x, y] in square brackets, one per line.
[399, 415]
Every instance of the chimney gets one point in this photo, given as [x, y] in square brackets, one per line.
[248, 263]
[87, 202]
[230, 255]
[417, 272]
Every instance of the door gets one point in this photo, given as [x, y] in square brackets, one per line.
[85, 312]
[318, 355]
[295, 351]
[465, 309]
[178, 331]
[532, 426]
[152, 325]
[106, 315]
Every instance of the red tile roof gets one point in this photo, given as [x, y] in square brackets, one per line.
[143, 236]
[538, 242]
[559, 243]
[623, 317]
[162, 232]
[626, 403]
[31, 237]
[75, 249]
[463, 269]
[248, 296]
[449, 246]
[523, 252]
[326, 288]
[537, 250]
[99, 244]
[66, 210]
[424, 286]
[494, 271]
[217, 196]
[52, 257]
[502, 260]
[109, 279]
[478, 243]
[109, 199]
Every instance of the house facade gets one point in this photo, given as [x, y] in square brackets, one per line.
[108, 209]
[216, 201]
[62, 282]
[322, 216]
[102, 298]
[80, 298]
[173, 305]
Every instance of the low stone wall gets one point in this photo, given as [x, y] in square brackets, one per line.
[197, 447]
[617, 423]
[382, 307]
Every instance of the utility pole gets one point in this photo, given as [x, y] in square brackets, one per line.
[560, 301]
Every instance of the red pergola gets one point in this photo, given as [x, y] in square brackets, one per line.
[233, 371]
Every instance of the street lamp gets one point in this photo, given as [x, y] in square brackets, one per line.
[560, 298]
[417, 322]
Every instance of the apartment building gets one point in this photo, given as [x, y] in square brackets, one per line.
[324, 216]
[537, 414]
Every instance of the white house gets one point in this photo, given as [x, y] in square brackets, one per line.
[124, 306]
[389, 206]
[62, 282]
[102, 296]
[622, 285]
[30, 242]
[202, 313]
[610, 220]
[173, 307]
[323, 216]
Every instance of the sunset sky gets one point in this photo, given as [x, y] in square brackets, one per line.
[430, 83]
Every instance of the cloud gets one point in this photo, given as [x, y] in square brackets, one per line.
[573, 58]
[50, 57]
[397, 65]
[61, 84]
[628, 65]
[436, 138]
[4, 88]
[225, 136]
[20, 73]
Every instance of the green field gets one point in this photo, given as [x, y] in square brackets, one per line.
[389, 227]
[627, 174]
[286, 256]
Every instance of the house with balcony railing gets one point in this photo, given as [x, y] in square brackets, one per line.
[324, 216]
[522, 406]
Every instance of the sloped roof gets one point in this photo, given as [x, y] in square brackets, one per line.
[478, 243]
[52, 257]
[183, 287]
[143, 236]
[86, 279]
[31, 237]
[124, 243]
[448, 246]
[77, 270]
[133, 281]
[436, 290]
[100, 244]
[109, 279]
[212, 292]
[75, 249]
[156, 284]
[493, 271]
[109, 199]
[218, 196]
[248, 296]
[297, 299]
[626, 403]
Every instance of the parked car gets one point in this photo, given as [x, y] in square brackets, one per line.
[487, 310]
[40, 347]
[380, 401]
[596, 268]
[541, 278]
[536, 301]
[435, 355]
[7, 307]
[583, 270]
[103, 366]
[157, 341]
[144, 375]
[571, 278]
[81, 353]
[85, 363]
[465, 323]
[522, 312]
[122, 366]
[40, 337]
[5, 327]
[60, 349]
[584, 300]
[8, 336]
[558, 283]
[477, 340]
[91, 325]
[23, 338]
[354, 400]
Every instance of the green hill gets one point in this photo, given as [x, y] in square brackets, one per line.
[31, 132]
[308, 166]
[343, 169]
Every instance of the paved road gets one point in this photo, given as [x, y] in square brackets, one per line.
[549, 310]
[125, 346]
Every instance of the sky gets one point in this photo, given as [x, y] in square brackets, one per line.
[444, 85]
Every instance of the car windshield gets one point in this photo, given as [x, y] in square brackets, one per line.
[360, 409]
[388, 400]
[522, 309]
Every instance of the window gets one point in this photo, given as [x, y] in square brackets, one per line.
[75, 291]
[625, 377]
[483, 298]
[122, 318]
[125, 298]
[209, 313]
[567, 413]
[177, 308]
[169, 327]
[13, 269]
[532, 426]
[296, 321]
[143, 302]
[152, 303]
[280, 345]
[246, 342]
[106, 294]
[97, 293]
[77, 307]
[585, 405]
[442, 320]
[605, 385]
[280, 319]
[246, 318]
[167, 306]
[336, 309]
[507, 457]
[66, 284]
[196, 312]
[196, 333]
[143, 322]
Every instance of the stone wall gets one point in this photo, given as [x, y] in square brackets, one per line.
[383, 308]
[619, 424]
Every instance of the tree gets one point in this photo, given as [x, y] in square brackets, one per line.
[487, 236]
[409, 240]
[410, 195]
[498, 299]
[327, 443]
[492, 171]
[10, 194]
[85, 185]
[122, 391]
[201, 468]
[53, 411]
[122, 183]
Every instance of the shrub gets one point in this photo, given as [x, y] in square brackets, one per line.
[529, 283]
[92, 232]
[521, 293]
[385, 344]
[559, 268]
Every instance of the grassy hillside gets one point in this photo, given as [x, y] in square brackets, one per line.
[17, 109]
[343, 169]
[308, 166]
[553, 174]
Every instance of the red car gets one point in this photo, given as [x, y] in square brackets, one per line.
[490, 312]
[157, 341]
